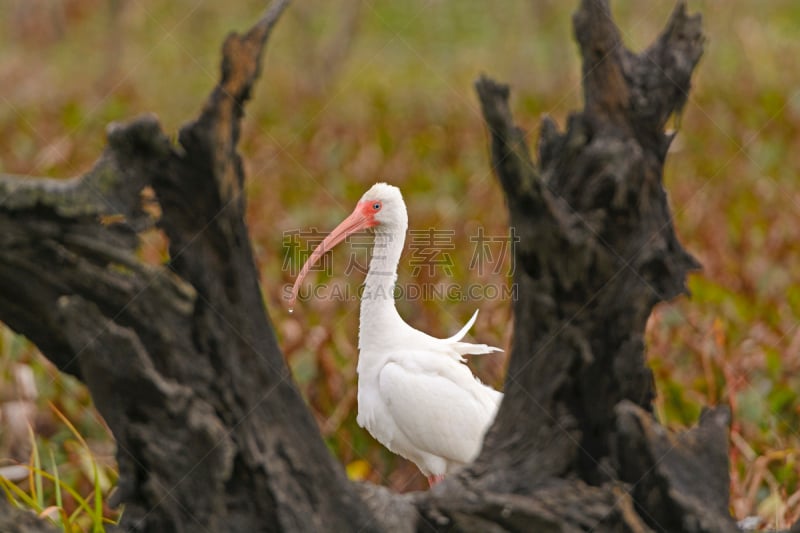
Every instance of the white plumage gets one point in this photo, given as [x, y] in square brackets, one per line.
[415, 393]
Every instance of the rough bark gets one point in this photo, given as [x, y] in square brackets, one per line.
[183, 363]
[181, 360]
[597, 247]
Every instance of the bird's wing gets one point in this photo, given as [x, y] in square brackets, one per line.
[440, 408]
[468, 348]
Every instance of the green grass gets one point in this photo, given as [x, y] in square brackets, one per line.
[332, 115]
[57, 500]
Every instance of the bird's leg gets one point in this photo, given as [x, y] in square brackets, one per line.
[434, 479]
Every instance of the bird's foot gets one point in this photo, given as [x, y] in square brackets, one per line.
[434, 479]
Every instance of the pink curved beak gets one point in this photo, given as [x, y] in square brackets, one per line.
[357, 220]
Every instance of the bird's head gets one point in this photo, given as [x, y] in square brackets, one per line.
[381, 208]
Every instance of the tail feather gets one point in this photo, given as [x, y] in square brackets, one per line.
[463, 331]
[467, 348]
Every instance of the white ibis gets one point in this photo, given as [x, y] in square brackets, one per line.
[416, 395]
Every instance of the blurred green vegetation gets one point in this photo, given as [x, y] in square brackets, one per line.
[356, 92]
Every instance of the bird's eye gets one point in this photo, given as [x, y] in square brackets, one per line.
[376, 206]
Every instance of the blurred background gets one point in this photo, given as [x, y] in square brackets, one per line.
[354, 92]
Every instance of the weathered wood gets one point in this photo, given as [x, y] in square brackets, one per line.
[183, 363]
[680, 482]
[181, 360]
[597, 248]
[597, 252]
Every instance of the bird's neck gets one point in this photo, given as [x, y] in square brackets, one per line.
[379, 316]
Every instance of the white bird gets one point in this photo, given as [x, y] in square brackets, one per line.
[416, 395]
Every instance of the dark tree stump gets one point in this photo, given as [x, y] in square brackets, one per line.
[597, 248]
[181, 360]
[183, 363]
